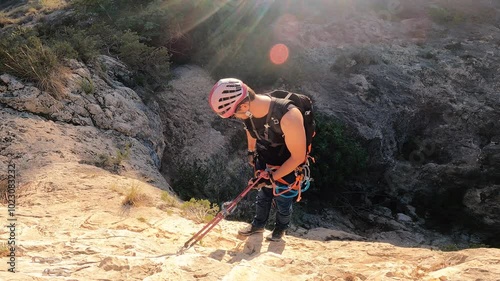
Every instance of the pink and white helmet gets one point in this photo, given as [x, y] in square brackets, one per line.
[225, 96]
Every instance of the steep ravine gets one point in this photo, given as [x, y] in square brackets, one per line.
[420, 96]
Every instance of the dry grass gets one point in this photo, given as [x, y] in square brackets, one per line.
[55, 83]
[36, 62]
[22, 13]
[4, 249]
[52, 4]
[5, 19]
[136, 198]
[3, 191]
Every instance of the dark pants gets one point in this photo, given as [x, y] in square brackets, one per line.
[263, 207]
[263, 204]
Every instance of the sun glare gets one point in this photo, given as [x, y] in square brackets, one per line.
[279, 54]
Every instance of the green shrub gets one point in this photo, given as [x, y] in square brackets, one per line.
[339, 157]
[191, 180]
[443, 15]
[87, 86]
[63, 49]
[455, 247]
[86, 45]
[169, 200]
[151, 64]
[199, 210]
[449, 248]
[123, 154]
[477, 246]
[114, 32]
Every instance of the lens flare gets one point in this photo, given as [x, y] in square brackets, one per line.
[279, 54]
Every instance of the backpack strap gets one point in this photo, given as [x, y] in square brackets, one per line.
[250, 115]
[269, 114]
[288, 96]
[270, 121]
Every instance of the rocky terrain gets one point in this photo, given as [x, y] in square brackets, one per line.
[73, 221]
[93, 167]
[71, 225]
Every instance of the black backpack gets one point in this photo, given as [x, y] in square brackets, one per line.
[304, 104]
[270, 134]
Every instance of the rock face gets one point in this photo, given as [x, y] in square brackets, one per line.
[105, 106]
[188, 117]
[110, 127]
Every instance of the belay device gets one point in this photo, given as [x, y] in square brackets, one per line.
[226, 209]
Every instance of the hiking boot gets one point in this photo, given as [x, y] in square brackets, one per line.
[276, 235]
[250, 230]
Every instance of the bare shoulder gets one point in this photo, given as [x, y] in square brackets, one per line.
[292, 118]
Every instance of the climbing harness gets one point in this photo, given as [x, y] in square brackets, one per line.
[301, 184]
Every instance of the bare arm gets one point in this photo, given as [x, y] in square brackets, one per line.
[251, 141]
[292, 125]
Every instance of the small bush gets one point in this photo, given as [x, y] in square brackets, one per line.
[112, 163]
[150, 64]
[135, 198]
[169, 200]
[449, 248]
[202, 179]
[191, 181]
[87, 86]
[63, 49]
[123, 154]
[86, 45]
[476, 246]
[455, 247]
[116, 28]
[199, 210]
